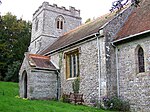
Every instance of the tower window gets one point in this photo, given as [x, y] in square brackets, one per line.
[141, 60]
[60, 22]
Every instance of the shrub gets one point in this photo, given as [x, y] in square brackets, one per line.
[115, 103]
[65, 98]
[76, 85]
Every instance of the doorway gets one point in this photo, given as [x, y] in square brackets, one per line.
[25, 84]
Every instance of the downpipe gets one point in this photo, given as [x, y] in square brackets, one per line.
[99, 69]
[116, 53]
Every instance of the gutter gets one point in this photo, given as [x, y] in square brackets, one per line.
[131, 36]
[48, 69]
[116, 53]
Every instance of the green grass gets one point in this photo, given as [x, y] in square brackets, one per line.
[9, 103]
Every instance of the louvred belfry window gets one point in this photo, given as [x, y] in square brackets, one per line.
[60, 22]
[141, 60]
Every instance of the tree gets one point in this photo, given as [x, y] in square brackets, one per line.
[88, 20]
[14, 41]
[118, 4]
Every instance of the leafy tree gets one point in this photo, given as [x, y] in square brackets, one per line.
[118, 4]
[12, 73]
[14, 40]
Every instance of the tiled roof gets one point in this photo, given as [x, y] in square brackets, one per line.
[40, 61]
[79, 33]
[138, 21]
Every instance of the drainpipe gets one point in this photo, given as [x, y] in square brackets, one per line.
[58, 84]
[116, 53]
[99, 67]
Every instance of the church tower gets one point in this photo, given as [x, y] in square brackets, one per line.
[49, 22]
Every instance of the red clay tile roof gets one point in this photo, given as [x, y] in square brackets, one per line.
[137, 22]
[79, 33]
[40, 61]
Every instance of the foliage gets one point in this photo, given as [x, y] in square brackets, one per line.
[88, 20]
[12, 74]
[65, 98]
[14, 40]
[76, 85]
[119, 4]
[116, 103]
[11, 102]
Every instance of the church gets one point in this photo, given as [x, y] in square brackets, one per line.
[110, 55]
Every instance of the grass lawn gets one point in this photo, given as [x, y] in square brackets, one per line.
[9, 103]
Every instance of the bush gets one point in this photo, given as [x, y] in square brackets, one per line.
[76, 85]
[65, 98]
[115, 103]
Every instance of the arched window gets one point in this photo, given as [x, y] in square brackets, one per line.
[60, 22]
[141, 60]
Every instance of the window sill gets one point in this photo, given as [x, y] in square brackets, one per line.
[143, 73]
[70, 79]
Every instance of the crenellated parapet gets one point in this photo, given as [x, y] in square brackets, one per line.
[72, 11]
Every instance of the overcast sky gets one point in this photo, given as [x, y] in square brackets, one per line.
[25, 8]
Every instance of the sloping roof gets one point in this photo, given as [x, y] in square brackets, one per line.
[79, 33]
[40, 61]
[138, 21]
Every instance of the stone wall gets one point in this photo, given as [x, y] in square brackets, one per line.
[134, 86]
[110, 30]
[88, 65]
[25, 68]
[41, 84]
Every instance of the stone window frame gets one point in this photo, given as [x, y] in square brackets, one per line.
[140, 59]
[60, 22]
[72, 64]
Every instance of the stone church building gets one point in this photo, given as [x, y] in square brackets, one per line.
[110, 55]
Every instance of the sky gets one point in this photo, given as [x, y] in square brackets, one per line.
[25, 8]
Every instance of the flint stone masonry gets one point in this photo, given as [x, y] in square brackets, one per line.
[134, 86]
[89, 76]
[110, 29]
[41, 84]
[47, 31]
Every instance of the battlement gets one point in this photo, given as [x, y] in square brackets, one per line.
[71, 11]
